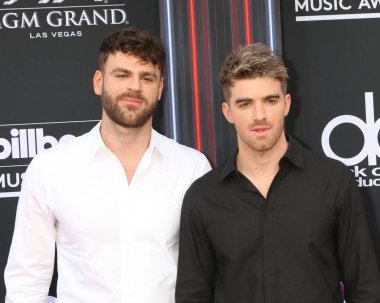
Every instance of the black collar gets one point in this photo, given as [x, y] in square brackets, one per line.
[294, 155]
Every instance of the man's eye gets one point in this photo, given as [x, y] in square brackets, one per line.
[243, 105]
[121, 75]
[148, 79]
[272, 100]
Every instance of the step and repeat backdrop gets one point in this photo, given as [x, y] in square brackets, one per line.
[199, 34]
[48, 55]
[332, 49]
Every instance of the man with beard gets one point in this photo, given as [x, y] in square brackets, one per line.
[109, 200]
[276, 223]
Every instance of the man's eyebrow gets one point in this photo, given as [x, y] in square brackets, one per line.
[120, 70]
[241, 100]
[248, 99]
[127, 71]
[148, 73]
[272, 96]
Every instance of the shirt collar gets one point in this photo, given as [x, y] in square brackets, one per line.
[156, 143]
[294, 155]
[97, 143]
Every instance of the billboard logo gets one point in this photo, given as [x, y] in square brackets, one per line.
[19, 143]
[371, 149]
[369, 128]
[26, 143]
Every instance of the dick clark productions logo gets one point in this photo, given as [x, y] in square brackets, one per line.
[371, 149]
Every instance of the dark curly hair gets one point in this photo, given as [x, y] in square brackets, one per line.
[133, 41]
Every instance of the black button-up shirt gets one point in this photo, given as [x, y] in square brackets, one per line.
[295, 246]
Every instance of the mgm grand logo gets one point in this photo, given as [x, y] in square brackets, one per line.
[10, 2]
[60, 21]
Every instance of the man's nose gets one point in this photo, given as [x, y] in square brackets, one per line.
[134, 84]
[259, 111]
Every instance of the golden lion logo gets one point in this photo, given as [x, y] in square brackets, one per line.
[10, 2]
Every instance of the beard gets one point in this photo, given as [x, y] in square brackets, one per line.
[128, 116]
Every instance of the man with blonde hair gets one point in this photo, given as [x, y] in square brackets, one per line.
[276, 223]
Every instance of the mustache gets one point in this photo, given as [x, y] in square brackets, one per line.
[134, 95]
[259, 124]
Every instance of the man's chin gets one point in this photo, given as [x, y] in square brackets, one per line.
[132, 122]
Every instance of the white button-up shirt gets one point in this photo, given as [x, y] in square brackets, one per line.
[116, 242]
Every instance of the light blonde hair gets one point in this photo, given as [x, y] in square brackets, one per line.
[249, 62]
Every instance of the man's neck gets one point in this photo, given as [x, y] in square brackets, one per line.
[128, 144]
[260, 167]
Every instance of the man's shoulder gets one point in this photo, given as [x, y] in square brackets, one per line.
[210, 180]
[170, 147]
[59, 160]
[317, 162]
[65, 151]
[208, 188]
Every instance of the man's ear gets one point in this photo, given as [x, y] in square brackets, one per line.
[227, 112]
[161, 88]
[288, 102]
[98, 82]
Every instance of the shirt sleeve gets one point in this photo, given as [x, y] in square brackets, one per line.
[360, 270]
[196, 264]
[30, 264]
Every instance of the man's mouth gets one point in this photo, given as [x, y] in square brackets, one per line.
[261, 130]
